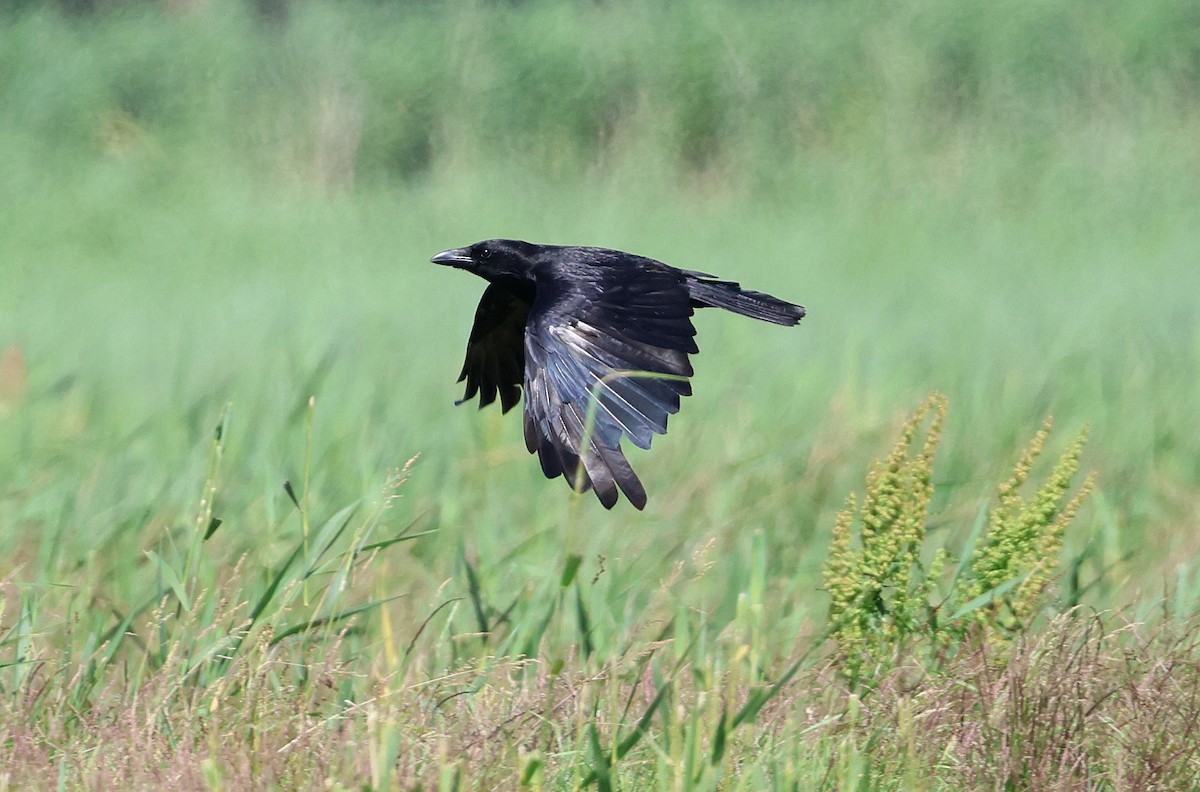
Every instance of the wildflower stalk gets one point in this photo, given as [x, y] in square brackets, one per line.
[882, 594]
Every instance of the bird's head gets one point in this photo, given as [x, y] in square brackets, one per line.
[494, 259]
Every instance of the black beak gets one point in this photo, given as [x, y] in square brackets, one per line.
[452, 258]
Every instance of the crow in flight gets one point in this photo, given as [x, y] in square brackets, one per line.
[567, 323]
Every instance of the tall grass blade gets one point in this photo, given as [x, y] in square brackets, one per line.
[171, 578]
[485, 627]
[584, 624]
[964, 560]
[989, 597]
[340, 616]
[600, 762]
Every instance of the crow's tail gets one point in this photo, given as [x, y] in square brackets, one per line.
[707, 291]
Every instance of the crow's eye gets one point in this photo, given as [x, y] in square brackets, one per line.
[485, 253]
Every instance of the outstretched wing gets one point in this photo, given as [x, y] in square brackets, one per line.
[495, 352]
[620, 337]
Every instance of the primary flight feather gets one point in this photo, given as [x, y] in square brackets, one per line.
[568, 323]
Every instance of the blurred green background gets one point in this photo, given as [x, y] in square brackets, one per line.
[203, 202]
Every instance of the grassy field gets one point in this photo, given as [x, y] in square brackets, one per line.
[214, 280]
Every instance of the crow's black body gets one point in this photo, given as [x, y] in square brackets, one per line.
[566, 322]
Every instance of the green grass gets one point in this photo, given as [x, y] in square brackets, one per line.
[207, 221]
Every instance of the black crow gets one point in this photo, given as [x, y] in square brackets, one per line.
[567, 323]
